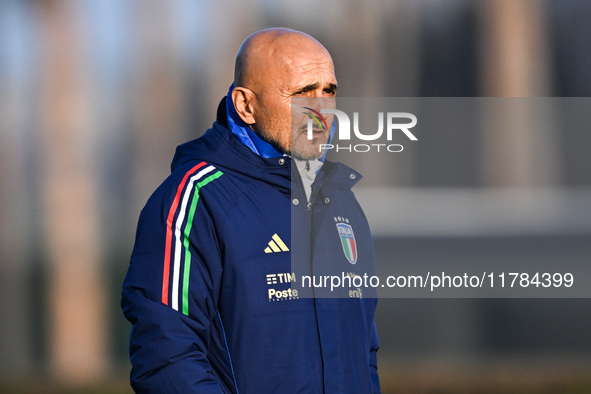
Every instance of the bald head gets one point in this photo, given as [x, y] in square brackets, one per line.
[272, 50]
[273, 66]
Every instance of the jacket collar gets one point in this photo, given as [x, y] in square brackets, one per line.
[245, 133]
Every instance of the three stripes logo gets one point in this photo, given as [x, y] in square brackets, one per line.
[276, 245]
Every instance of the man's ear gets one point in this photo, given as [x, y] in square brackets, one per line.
[244, 99]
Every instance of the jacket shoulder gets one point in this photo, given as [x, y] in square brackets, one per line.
[199, 177]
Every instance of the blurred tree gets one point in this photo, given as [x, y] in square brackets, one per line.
[518, 145]
[16, 179]
[77, 334]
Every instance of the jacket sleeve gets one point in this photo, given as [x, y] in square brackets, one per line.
[373, 359]
[170, 298]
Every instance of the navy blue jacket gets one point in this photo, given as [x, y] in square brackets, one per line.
[214, 288]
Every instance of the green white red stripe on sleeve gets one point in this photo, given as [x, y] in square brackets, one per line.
[178, 235]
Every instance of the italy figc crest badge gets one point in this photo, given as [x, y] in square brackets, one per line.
[347, 239]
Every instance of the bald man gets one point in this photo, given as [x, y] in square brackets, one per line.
[214, 288]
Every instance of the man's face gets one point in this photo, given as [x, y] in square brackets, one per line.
[300, 74]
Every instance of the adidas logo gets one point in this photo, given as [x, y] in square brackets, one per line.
[276, 245]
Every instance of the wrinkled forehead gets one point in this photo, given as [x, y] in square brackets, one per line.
[308, 60]
[278, 57]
